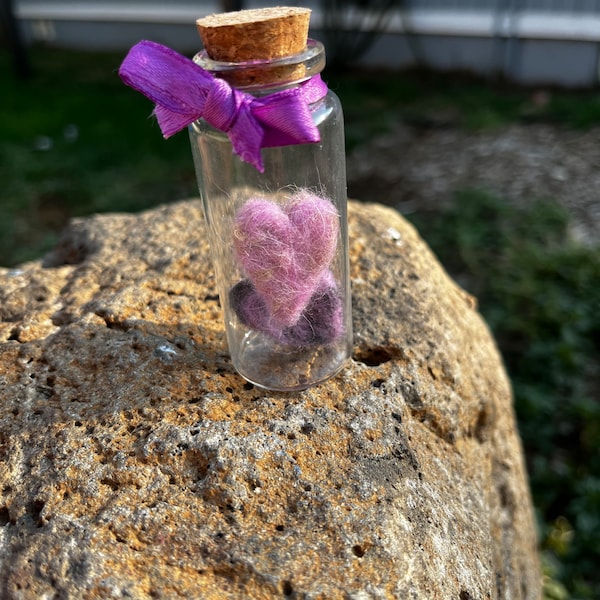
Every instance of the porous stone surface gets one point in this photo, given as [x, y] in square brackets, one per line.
[135, 463]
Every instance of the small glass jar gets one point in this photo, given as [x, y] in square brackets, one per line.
[279, 239]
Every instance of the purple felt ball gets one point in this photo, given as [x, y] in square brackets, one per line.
[321, 322]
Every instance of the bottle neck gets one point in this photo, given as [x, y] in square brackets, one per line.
[261, 77]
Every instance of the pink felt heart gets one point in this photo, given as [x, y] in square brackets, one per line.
[284, 250]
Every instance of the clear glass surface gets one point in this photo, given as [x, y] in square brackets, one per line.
[294, 211]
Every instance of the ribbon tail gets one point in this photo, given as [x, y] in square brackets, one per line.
[173, 82]
[285, 127]
[286, 119]
[246, 136]
[171, 122]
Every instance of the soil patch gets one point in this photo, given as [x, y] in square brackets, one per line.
[421, 168]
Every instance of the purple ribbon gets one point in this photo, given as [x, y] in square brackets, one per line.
[184, 92]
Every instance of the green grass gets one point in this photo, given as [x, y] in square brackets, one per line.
[118, 162]
[539, 291]
[375, 101]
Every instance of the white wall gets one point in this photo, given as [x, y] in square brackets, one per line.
[529, 45]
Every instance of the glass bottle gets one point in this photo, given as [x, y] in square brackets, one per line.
[279, 238]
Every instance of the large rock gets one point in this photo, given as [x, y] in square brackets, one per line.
[135, 463]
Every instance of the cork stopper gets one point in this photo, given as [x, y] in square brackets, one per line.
[257, 35]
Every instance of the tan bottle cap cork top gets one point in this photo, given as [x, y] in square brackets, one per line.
[255, 34]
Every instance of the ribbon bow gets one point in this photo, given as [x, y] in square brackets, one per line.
[184, 92]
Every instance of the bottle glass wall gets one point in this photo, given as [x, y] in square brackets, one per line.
[279, 238]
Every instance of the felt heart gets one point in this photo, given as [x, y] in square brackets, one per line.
[284, 249]
[320, 323]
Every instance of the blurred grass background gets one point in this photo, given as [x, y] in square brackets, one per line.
[74, 141]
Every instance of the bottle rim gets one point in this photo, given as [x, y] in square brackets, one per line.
[264, 73]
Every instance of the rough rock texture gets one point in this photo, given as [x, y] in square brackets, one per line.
[135, 463]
